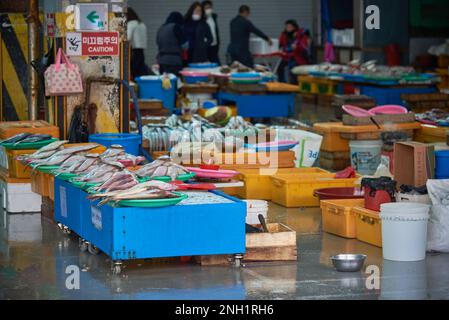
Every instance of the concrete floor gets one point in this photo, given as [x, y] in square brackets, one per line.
[34, 255]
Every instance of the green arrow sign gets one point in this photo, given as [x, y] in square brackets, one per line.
[93, 16]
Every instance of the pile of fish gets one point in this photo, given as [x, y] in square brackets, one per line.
[27, 138]
[116, 153]
[434, 116]
[162, 167]
[121, 180]
[55, 154]
[99, 172]
[149, 190]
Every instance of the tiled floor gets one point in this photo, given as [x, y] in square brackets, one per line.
[35, 254]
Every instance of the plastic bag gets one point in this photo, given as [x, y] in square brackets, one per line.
[438, 227]
[307, 150]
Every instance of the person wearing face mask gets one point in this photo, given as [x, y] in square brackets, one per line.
[294, 45]
[241, 29]
[197, 34]
[211, 19]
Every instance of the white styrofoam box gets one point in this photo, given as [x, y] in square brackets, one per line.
[260, 46]
[343, 38]
[3, 158]
[22, 227]
[18, 198]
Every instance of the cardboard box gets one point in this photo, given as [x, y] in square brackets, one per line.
[414, 163]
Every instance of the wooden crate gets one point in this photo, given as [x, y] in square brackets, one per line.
[12, 128]
[334, 164]
[443, 61]
[309, 98]
[150, 105]
[277, 245]
[370, 135]
[47, 208]
[201, 88]
[349, 120]
[419, 103]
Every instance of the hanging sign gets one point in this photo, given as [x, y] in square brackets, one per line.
[91, 17]
[92, 44]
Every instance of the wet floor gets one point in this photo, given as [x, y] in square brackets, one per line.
[35, 255]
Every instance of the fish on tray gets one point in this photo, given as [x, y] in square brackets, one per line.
[34, 138]
[122, 180]
[162, 167]
[143, 191]
[44, 152]
[17, 138]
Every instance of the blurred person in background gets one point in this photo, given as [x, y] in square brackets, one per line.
[197, 33]
[241, 30]
[294, 44]
[170, 40]
[211, 20]
[137, 36]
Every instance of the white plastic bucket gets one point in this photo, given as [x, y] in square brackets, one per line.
[404, 231]
[254, 208]
[366, 155]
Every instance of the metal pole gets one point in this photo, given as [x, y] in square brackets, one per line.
[33, 54]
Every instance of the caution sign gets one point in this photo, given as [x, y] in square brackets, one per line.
[92, 44]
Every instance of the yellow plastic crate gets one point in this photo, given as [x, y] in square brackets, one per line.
[259, 186]
[368, 226]
[326, 86]
[15, 168]
[51, 187]
[307, 84]
[431, 134]
[298, 191]
[339, 218]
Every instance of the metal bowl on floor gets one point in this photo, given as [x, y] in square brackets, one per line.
[348, 262]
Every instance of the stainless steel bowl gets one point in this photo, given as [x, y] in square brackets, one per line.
[348, 262]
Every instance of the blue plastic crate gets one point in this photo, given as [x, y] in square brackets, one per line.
[67, 208]
[151, 88]
[195, 79]
[387, 95]
[129, 141]
[181, 230]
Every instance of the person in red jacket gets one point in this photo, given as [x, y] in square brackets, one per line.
[294, 45]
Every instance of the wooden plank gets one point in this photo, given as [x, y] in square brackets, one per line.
[285, 253]
[370, 135]
[279, 236]
[150, 104]
[349, 120]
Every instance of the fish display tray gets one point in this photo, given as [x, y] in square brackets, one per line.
[155, 203]
[28, 146]
[180, 230]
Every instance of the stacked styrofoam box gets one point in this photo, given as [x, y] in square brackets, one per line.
[260, 46]
[22, 227]
[254, 208]
[343, 38]
[18, 198]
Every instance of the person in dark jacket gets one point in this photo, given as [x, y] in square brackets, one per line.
[241, 29]
[170, 39]
[197, 34]
[211, 20]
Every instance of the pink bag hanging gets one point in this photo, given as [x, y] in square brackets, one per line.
[329, 52]
[63, 78]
